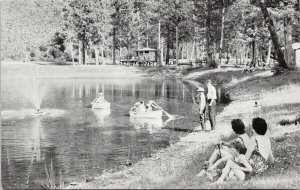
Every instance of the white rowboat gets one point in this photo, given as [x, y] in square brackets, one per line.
[147, 114]
[101, 105]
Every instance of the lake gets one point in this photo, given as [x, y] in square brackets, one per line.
[82, 142]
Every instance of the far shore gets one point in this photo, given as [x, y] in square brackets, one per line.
[19, 70]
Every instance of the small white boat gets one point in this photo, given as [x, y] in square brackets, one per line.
[101, 105]
[147, 114]
[139, 122]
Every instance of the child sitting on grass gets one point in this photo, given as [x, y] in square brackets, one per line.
[237, 167]
[222, 153]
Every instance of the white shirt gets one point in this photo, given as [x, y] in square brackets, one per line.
[211, 92]
[264, 146]
[246, 139]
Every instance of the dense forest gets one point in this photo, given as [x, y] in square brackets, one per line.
[246, 31]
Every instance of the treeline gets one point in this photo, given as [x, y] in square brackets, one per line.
[248, 31]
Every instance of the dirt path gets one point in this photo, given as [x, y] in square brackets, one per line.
[195, 75]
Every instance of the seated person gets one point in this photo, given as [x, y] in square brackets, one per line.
[237, 167]
[142, 107]
[99, 98]
[136, 107]
[222, 149]
[149, 107]
[259, 151]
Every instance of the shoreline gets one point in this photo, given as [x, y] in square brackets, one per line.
[163, 166]
[54, 71]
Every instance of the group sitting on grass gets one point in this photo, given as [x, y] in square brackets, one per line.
[242, 157]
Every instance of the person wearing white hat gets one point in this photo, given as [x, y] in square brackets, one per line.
[202, 105]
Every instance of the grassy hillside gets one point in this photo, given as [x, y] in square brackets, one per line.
[27, 24]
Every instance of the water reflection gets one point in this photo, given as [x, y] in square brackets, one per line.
[151, 124]
[101, 114]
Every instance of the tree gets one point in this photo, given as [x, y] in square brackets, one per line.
[279, 54]
[80, 18]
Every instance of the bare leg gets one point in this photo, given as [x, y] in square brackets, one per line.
[239, 174]
[214, 157]
[225, 171]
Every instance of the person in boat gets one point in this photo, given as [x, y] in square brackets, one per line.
[139, 107]
[142, 107]
[222, 149]
[99, 98]
[136, 107]
[149, 107]
[202, 107]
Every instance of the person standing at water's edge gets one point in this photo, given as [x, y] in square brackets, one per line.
[211, 100]
[202, 107]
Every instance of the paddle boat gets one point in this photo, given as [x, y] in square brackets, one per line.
[99, 102]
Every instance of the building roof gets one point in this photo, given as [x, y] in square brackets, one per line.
[145, 49]
[296, 45]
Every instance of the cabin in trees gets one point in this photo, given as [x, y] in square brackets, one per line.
[144, 56]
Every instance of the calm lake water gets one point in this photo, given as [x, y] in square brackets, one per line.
[80, 141]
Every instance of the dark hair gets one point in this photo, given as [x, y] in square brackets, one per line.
[259, 125]
[238, 126]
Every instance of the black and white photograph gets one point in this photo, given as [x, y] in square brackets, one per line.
[150, 94]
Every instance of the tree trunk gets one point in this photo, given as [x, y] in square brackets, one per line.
[72, 49]
[177, 49]
[102, 55]
[187, 50]
[290, 52]
[253, 64]
[222, 34]
[273, 34]
[81, 52]
[182, 49]
[246, 56]
[269, 53]
[138, 40]
[114, 46]
[168, 48]
[120, 54]
[162, 55]
[208, 43]
[193, 48]
[85, 55]
[196, 49]
[97, 55]
[147, 42]
[160, 59]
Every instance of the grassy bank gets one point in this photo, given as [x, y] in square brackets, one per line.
[177, 166]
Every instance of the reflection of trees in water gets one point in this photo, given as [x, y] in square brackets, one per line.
[23, 165]
[137, 89]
